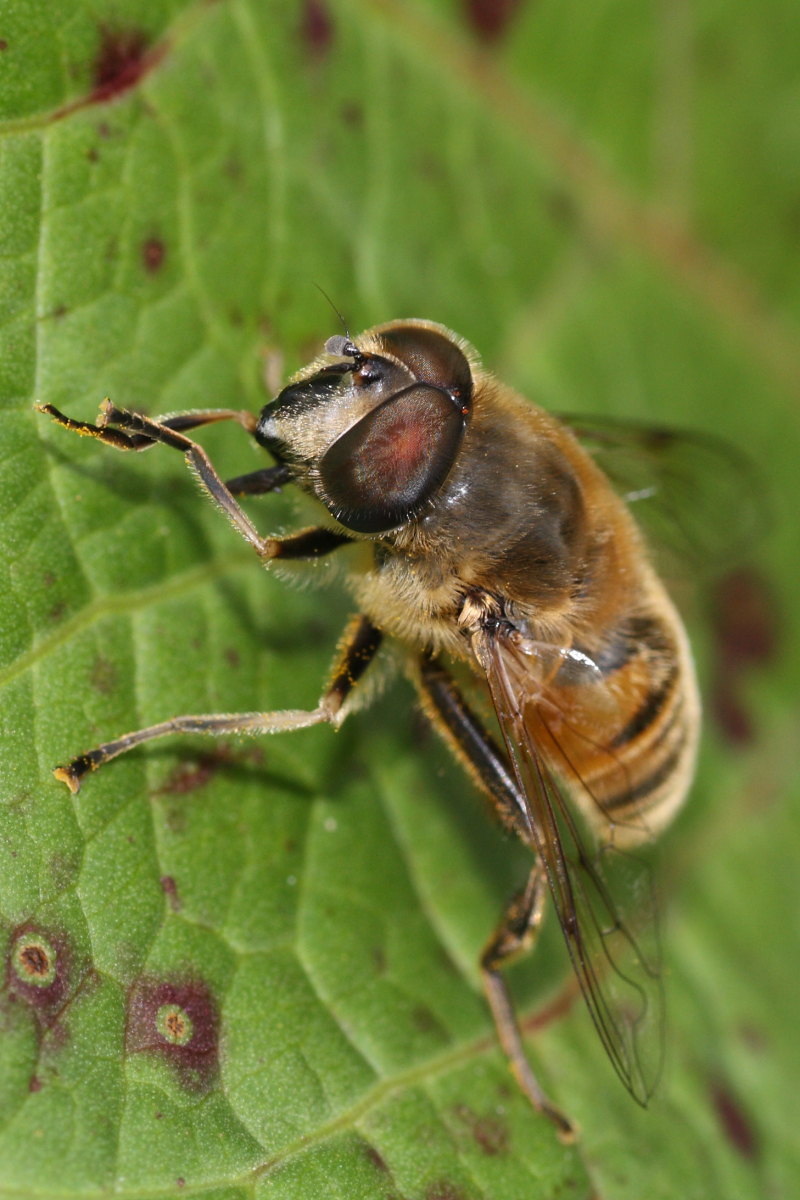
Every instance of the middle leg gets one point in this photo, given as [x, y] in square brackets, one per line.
[359, 646]
[520, 922]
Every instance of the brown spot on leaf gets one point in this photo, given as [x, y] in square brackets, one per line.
[731, 715]
[379, 959]
[375, 1157]
[753, 1038]
[120, 62]
[153, 254]
[489, 1132]
[37, 971]
[179, 1022]
[735, 1123]
[745, 626]
[170, 889]
[3, 44]
[443, 1189]
[175, 1025]
[425, 1020]
[122, 59]
[42, 975]
[316, 27]
[491, 1135]
[103, 676]
[189, 778]
[746, 623]
[352, 114]
[490, 18]
[34, 1084]
[561, 207]
[35, 961]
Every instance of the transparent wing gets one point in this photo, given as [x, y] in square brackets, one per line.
[693, 494]
[617, 971]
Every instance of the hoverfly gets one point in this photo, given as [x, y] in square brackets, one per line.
[492, 538]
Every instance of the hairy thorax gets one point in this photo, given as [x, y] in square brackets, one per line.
[512, 521]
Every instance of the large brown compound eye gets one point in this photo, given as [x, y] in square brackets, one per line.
[381, 471]
[432, 357]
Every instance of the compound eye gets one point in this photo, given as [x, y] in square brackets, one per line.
[432, 357]
[381, 471]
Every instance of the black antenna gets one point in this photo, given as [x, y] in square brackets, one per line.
[335, 309]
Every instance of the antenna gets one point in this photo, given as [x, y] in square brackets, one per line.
[335, 309]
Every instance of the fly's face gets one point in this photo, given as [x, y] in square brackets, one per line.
[374, 426]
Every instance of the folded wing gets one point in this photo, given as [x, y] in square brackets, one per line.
[600, 895]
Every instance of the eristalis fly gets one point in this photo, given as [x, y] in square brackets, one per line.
[485, 534]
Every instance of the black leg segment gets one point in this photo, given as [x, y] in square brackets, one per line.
[519, 924]
[309, 543]
[259, 483]
[359, 645]
[471, 742]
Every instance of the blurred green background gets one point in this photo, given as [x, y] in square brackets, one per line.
[605, 199]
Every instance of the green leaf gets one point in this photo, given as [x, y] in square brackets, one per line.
[604, 200]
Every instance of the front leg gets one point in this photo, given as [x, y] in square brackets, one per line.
[199, 462]
[131, 431]
[178, 421]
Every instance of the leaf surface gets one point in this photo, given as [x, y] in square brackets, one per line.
[604, 202]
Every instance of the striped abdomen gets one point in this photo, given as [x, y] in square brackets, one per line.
[627, 733]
